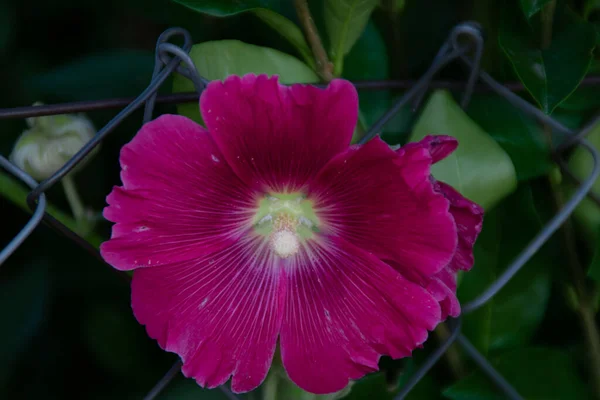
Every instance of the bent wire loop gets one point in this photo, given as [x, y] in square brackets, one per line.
[465, 44]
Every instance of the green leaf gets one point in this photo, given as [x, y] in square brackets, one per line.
[289, 31]
[376, 386]
[552, 74]
[512, 316]
[426, 388]
[269, 11]
[116, 73]
[518, 134]
[532, 7]
[368, 60]
[585, 97]
[536, 374]
[345, 21]
[225, 8]
[23, 301]
[480, 169]
[219, 59]
[587, 214]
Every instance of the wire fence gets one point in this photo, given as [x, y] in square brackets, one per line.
[465, 43]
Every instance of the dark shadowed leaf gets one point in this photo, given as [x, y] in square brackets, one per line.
[590, 7]
[188, 389]
[6, 16]
[116, 73]
[552, 74]
[288, 30]
[587, 214]
[218, 59]
[518, 134]
[594, 269]
[23, 300]
[480, 169]
[269, 11]
[532, 7]
[345, 21]
[224, 8]
[512, 316]
[536, 374]
[368, 60]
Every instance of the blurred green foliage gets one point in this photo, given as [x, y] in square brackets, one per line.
[68, 330]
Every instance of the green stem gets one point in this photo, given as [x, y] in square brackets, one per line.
[13, 191]
[324, 66]
[270, 386]
[73, 198]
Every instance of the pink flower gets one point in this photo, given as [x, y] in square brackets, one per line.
[269, 227]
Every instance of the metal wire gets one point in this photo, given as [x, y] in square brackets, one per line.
[192, 97]
[170, 58]
[33, 222]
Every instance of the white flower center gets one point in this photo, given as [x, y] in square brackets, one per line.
[285, 243]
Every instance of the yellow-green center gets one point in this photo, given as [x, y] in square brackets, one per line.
[287, 220]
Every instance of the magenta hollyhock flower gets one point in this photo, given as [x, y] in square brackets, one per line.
[268, 227]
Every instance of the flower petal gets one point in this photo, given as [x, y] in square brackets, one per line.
[344, 309]
[386, 204]
[275, 137]
[438, 146]
[442, 286]
[467, 214]
[179, 200]
[468, 217]
[221, 313]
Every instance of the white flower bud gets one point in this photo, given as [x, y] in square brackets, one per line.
[50, 142]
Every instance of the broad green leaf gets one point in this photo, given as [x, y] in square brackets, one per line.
[552, 74]
[225, 8]
[269, 11]
[219, 59]
[368, 60]
[512, 316]
[289, 31]
[536, 374]
[585, 97]
[480, 169]
[116, 73]
[587, 214]
[23, 300]
[532, 7]
[345, 21]
[518, 134]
